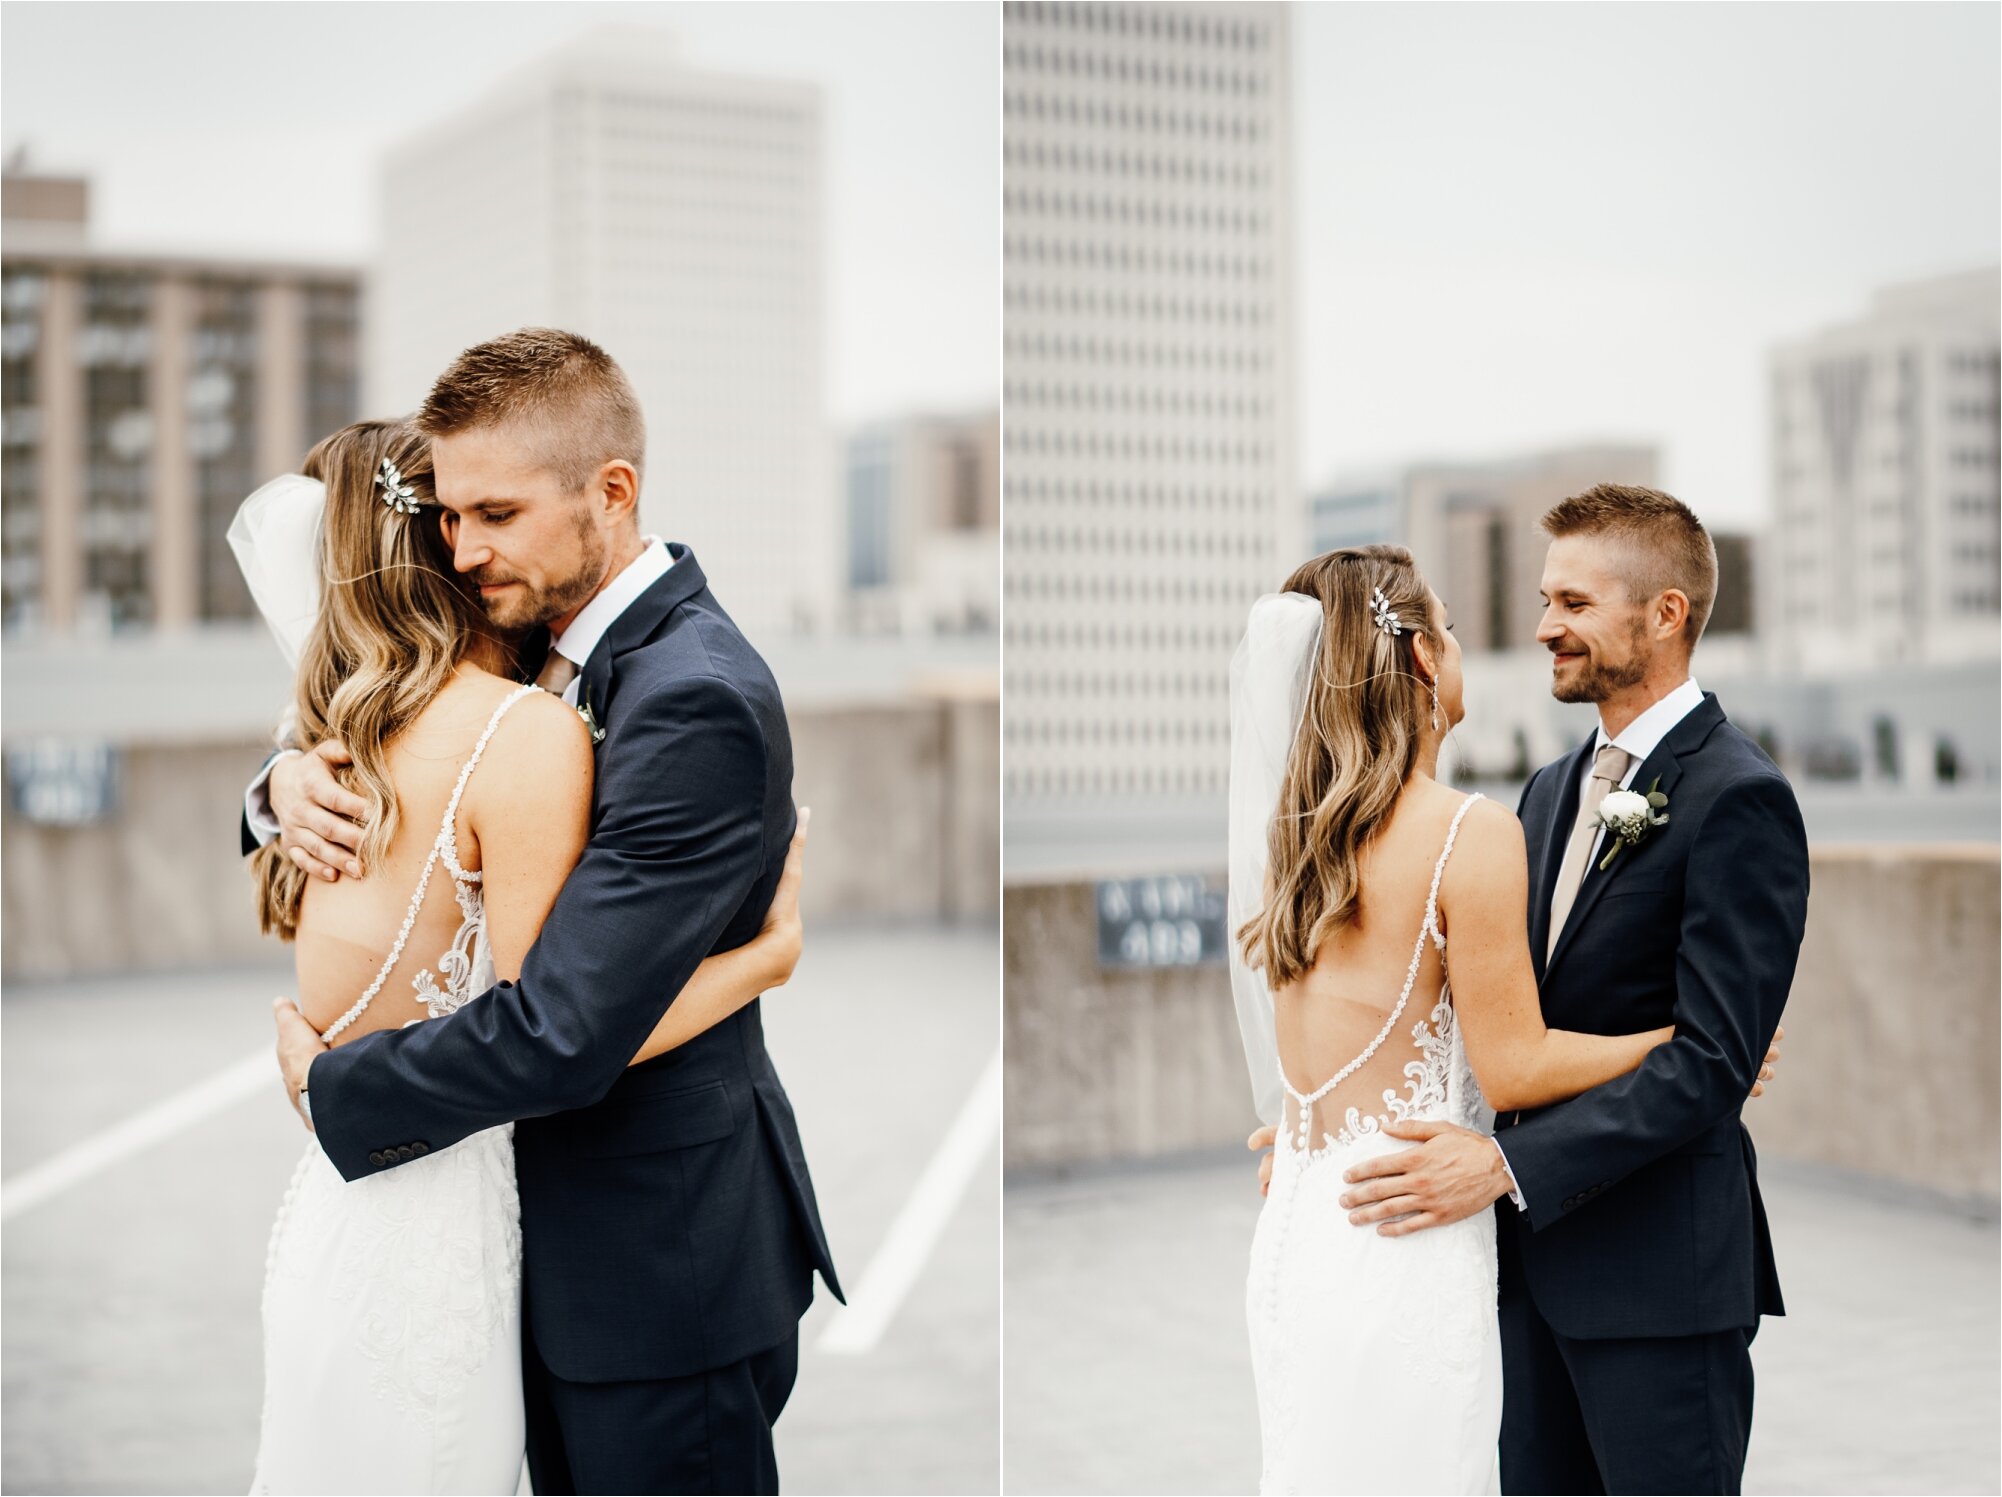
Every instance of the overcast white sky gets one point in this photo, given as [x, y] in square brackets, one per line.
[1524, 224]
[255, 127]
[1518, 224]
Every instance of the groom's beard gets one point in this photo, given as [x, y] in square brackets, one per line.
[1596, 678]
[525, 605]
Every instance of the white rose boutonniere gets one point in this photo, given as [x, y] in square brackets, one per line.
[1628, 816]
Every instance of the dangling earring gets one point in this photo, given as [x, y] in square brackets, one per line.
[1435, 706]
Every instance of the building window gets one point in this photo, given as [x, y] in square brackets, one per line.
[114, 346]
[222, 433]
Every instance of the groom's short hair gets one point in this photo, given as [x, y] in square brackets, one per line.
[561, 387]
[1662, 543]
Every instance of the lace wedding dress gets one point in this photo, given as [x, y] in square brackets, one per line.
[1378, 1359]
[392, 1305]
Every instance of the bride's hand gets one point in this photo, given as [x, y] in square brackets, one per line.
[1772, 1062]
[783, 933]
[1265, 1138]
[319, 821]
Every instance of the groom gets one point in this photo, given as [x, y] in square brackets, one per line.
[1635, 1261]
[669, 1230]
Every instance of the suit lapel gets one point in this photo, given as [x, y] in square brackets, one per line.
[1556, 832]
[637, 624]
[1665, 763]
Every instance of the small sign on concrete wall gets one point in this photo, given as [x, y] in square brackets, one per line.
[1175, 920]
[58, 782]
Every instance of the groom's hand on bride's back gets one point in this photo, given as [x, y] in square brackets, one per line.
[1450, 1175]
[319, 821]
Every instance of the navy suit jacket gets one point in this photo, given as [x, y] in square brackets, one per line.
[1644, 1216]
[668, 1221]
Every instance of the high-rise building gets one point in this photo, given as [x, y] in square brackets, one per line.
[675, 216]
[145, 396]
[1885, 494]
[1148, 395]
[1482, 548]
[1474, 530]
[924, 525]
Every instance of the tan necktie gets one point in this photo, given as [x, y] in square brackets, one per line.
[558, 671]
[1607, 772]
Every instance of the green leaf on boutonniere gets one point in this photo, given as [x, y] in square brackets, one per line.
[590, 719]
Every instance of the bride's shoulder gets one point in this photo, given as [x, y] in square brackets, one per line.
[538, 749]
[541, 728]
[1489, 842]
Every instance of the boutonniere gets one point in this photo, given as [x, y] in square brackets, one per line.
[1629, 816]
[590, 718]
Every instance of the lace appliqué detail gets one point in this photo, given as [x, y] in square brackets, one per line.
[1426, 1087]
[456, 965]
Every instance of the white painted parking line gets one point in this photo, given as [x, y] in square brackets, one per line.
[142, 1131]
[859, 1325]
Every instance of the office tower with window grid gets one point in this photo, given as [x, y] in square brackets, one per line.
[1884, 548]
[145, 396]
[674, 215]
[1148, 405]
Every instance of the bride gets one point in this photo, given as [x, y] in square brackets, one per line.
[392, 1305]
[1376, 1353]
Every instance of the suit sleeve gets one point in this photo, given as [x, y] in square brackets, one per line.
[254, 830]
[677, 848]
[1744, 912]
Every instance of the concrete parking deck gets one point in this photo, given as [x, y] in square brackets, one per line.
[132, 1358]
[1127, 1370]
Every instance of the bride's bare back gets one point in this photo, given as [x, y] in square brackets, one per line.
[346, 929]
[1329, 1017]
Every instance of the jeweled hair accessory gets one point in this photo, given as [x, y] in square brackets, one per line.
[397, 494]
[1380, 610]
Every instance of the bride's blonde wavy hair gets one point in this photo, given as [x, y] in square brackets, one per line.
[1358, 743]
[395, 622]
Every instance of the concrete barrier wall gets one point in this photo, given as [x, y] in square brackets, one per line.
[1889, 1065]
[906, 827]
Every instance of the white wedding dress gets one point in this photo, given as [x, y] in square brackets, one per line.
[1378, 1359]
[392, 1305]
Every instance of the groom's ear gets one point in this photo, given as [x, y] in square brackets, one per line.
[619, 482]
[1671, 615]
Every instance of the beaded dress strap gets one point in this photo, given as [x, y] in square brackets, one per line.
[447, 843]
[448, 833]
[1430, 928]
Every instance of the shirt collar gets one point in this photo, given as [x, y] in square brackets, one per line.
[576, 643]
[1644, 734]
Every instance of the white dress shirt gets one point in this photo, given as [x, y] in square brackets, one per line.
[1639, 738]
[1642, 737]
[574, 644]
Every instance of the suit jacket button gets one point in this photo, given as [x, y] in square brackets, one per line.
[420, 1147]
[375, 1156]
[403, 1151]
